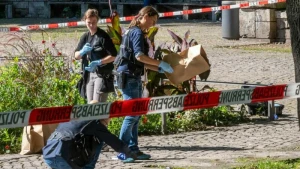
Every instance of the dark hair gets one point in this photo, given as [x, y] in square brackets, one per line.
[147, 10]
[90, 13]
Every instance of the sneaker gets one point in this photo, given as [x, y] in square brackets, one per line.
[142, 156]
[125, 159]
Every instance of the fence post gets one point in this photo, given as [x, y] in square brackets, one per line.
[193, 87]
[271, 110]
[163, 116]
[163, 123]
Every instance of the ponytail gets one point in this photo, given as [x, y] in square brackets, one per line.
[147, 10]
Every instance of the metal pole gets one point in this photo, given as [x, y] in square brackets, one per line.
[163, 118]
[245, 83]
[192, 82]
[271, 110]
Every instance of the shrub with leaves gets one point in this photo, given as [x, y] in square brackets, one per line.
[38, 75]
[10, 140]
[154, 85]
[191, 120]
[183, 121]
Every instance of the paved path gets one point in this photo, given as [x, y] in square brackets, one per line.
[218, 147]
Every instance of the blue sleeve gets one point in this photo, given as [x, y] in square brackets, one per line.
[137, 40]
[103, 134]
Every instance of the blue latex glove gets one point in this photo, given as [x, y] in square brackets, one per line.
[165, 67]
[86, 48]
[92, 66]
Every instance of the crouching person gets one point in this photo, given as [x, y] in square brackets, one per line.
[77, 145]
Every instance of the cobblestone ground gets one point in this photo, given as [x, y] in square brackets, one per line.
[221, 147]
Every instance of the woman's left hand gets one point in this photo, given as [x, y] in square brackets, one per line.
[92, 66]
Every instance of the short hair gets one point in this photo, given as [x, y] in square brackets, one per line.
[90, 13]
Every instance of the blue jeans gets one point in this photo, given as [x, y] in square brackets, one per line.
[129, 129]
[59, 163]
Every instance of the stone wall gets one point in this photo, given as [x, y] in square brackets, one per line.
[267, 24]
[258, 23]
[247, 23]
[283, 28]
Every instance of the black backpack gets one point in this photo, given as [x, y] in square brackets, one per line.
[81, 149]
[125, 56]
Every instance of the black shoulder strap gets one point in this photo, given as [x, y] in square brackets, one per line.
[126, 45]
[123, 46]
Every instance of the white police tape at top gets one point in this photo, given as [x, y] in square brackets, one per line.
[128, 18]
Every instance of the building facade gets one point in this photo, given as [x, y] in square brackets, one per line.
[75, 8]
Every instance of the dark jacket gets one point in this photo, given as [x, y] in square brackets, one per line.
[133, 45]
[61, 141]
[102, 47]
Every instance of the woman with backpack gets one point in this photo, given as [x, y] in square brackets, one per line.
[131, 61]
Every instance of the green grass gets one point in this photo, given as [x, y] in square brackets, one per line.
[270, 164]
[59, 34]
[62, 33]
[281, 48]
[266, 49]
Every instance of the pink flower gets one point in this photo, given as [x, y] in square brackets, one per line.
[53, 44]
[43, 42]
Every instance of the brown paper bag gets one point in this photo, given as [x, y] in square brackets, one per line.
[187, 64]
[35, 138]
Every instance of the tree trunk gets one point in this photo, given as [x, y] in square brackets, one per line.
[293, 17]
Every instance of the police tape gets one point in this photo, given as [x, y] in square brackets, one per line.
[129, 18]
[143, 106]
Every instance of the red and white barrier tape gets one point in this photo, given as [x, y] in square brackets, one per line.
[152, 105]
[129, 18]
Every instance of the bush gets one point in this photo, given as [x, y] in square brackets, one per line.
[34, 78]
[44, 77]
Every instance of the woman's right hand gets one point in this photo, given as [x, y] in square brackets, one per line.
[166, 67]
